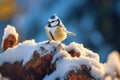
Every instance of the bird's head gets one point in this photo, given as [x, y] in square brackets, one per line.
[54, 21]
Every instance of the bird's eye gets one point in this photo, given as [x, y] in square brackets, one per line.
[52, 21]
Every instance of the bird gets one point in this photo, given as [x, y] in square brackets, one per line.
[56, 30]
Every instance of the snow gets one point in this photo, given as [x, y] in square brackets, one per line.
[108, 78]
[43, 48]
[73, 63]
[87, 57]
[18, 53]
[69, 64]
[63, 60]
[9, 30]
[112, 66]
[24, 51]
[79, 48]
[3, 78]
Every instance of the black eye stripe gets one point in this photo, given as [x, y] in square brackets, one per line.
[52, 21]
[58, 22]
[49, 23]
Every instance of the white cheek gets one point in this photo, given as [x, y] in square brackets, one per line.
[54, 23]
[52, 30]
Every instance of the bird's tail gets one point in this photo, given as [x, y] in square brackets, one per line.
[71, 33]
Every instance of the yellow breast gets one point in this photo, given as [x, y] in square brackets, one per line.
[60, 33]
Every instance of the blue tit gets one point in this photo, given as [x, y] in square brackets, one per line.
[56, 30]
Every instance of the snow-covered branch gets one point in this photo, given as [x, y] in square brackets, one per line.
[54, 61]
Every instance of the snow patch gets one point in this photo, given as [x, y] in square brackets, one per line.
[9, 30]
[61, 57]
[67, 64]
[18, 53]
[112, 66]
[79, 48]
[46, 47]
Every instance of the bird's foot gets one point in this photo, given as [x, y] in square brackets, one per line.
[60, 46]
[48, 42]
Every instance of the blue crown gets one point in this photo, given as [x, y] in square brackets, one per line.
[52, 17]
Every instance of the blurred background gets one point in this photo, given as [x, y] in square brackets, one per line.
[95, 22]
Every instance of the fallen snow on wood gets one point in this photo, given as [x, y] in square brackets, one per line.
[9, 30]
[63, 60]
[18, 53]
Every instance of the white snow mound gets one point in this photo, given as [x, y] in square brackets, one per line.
[9, 30]
[61, 57]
